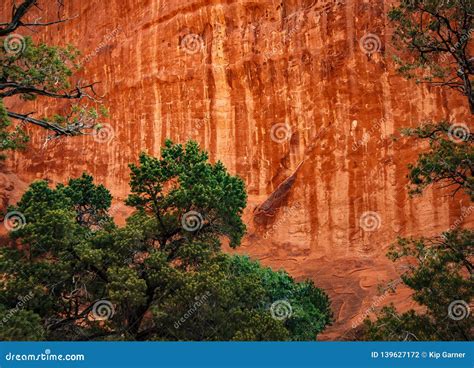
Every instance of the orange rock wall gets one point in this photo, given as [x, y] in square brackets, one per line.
[287, 95]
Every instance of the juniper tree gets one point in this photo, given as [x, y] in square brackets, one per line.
[31, 71]
[434, 39]
[448, 163]
[439, 269]
[163, 276]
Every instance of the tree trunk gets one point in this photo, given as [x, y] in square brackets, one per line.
[471, 102]
[469, 90]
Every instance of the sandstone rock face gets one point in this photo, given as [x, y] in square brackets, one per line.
[298, 97]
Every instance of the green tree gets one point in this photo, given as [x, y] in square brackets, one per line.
[245, 302]
[29, 71]
[440, 275]
[160, 277]
[449, 161]
[304, 308]
[435, 42]
[436, 35]
[188, 197]
[440, 269]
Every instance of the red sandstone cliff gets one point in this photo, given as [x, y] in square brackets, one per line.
[287, 96]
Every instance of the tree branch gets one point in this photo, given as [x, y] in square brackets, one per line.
[72, 129]
[16, 88]
[18, 14]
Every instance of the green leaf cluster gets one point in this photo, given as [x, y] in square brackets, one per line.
[82, 277]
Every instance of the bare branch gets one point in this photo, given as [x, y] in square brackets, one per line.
[72, 129]
[18, 14]
[36, 24]
[13, 88]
